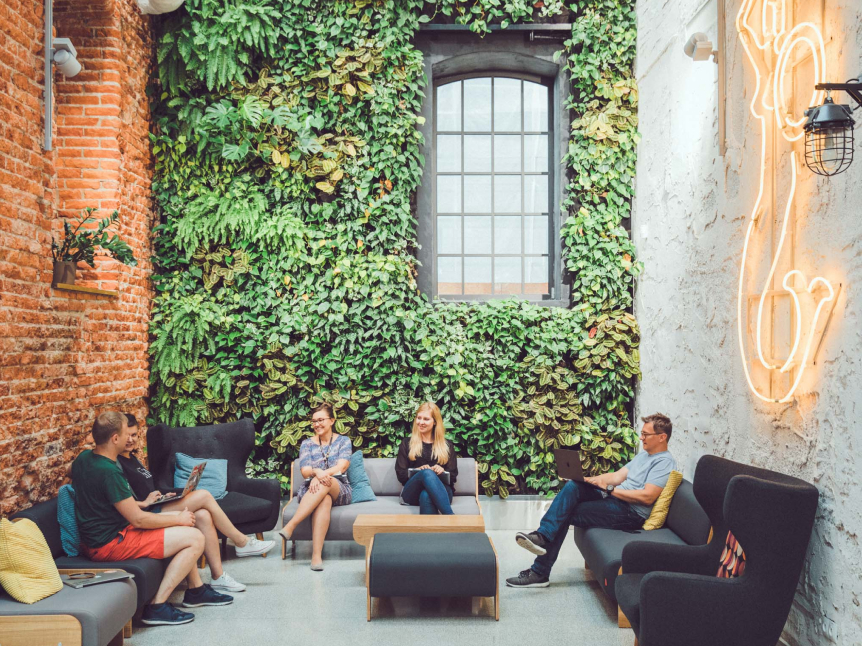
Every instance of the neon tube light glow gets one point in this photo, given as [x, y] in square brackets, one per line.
[773, 33]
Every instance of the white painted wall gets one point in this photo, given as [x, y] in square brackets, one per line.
[689, 225]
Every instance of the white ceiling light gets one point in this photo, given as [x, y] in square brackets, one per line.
[158, 6]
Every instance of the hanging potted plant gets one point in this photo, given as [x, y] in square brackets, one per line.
[81, 243]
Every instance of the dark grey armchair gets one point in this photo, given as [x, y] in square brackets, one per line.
[671, 594]
[251, 504]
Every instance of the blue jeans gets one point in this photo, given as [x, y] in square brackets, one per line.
[429, 492]
[581, 505]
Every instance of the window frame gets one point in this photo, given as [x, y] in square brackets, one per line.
[462, 56]
[551, 131]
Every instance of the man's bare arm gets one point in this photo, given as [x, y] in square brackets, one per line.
[615, 478]
[646, 496]
[141, 519]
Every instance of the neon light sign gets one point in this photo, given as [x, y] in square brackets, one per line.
[770, 50]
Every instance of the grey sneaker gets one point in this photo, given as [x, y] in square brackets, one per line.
[527, 579]
[533, 542]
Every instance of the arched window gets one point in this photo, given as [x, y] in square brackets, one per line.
[492, 179]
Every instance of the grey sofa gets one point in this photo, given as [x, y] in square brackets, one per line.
[98, 615]
[384, 483]
[602, 549]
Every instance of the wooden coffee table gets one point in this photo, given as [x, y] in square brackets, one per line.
[367, 525]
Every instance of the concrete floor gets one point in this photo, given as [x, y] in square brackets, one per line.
[287, 603]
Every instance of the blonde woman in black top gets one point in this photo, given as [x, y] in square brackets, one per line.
[427, 450]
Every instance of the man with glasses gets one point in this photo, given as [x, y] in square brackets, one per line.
[619, 500]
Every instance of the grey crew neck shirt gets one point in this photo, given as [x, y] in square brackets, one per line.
[648, 469]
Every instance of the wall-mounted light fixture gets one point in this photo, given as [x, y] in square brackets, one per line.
[699, 48]
[829, 131]
[60, 52]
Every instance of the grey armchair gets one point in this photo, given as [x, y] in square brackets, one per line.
[251, 504]
[671, 594]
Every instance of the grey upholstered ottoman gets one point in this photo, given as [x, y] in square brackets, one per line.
[433, 565]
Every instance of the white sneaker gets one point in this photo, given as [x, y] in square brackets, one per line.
[255, 547]
[227, 582]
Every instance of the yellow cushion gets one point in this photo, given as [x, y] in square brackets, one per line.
[27, 571]
[659, 510]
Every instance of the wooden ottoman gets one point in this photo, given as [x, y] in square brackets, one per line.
[433, 565]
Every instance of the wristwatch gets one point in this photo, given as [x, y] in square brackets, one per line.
[609, 488]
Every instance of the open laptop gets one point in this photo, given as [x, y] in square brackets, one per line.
[569, 465]
[443, 476]
[191, 485]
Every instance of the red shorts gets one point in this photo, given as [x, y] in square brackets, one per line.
[132, 543]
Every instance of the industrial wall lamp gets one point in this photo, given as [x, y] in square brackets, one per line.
[60, 52]
[829, 130]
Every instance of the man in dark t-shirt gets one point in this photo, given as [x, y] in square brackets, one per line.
[114, 528]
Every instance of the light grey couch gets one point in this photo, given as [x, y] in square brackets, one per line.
[384, 483]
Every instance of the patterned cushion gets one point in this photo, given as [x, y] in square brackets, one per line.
[69, 535]
[662, 506]
[732, 562]
[27, 570]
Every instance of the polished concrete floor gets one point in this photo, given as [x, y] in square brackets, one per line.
[287, 603]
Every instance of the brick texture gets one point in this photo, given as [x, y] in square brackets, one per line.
[65, 356]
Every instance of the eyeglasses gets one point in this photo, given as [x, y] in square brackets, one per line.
[318, 422]
[648, 434]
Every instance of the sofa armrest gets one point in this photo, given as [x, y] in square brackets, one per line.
[684, 609]
[643, 557]
[266, 488]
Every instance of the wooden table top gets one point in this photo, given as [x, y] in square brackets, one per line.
[367, 525]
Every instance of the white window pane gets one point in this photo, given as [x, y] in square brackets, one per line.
[507, 104]
[507, 275]
[507, 193]
[507, 153]
[507, 234]
[536, 194]
[477, 275]
[536, 275]
[449, 106]
[536, 234]
[477, 193]
[448, 275]
[536, 153]
[535, 107]
[477, 105]
[448, 153]
[448, 194]
[449, 234]
[477, 153]
[477, 234]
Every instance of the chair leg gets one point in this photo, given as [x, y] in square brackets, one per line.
[202, 562]
[283, 548]
[259, 537]
[127, 630]
[636, 641]
[622, 620]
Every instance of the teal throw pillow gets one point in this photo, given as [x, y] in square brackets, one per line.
[359, 483]
[213, 479]
[70, 538]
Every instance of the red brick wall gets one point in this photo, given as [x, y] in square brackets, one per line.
[64, 356]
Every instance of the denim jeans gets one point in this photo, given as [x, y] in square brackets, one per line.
[581, 505]
[429, 492]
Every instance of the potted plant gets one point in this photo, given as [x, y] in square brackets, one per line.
[81, 244]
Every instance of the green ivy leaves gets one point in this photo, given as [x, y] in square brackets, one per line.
[288, 157]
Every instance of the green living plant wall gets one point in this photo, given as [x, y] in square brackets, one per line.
[287, 156]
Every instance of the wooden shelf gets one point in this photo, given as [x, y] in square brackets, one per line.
[86, 290]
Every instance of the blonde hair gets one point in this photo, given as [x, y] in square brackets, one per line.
[439, 448]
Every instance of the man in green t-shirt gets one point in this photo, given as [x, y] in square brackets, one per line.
[114, 528]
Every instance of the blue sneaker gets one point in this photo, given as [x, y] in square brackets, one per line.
[205, 596]
[164, 614]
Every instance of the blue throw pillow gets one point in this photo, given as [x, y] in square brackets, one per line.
[70, 538]
[213, 479]
[359, 482]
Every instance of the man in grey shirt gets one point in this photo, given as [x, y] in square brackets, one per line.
[619, 500]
